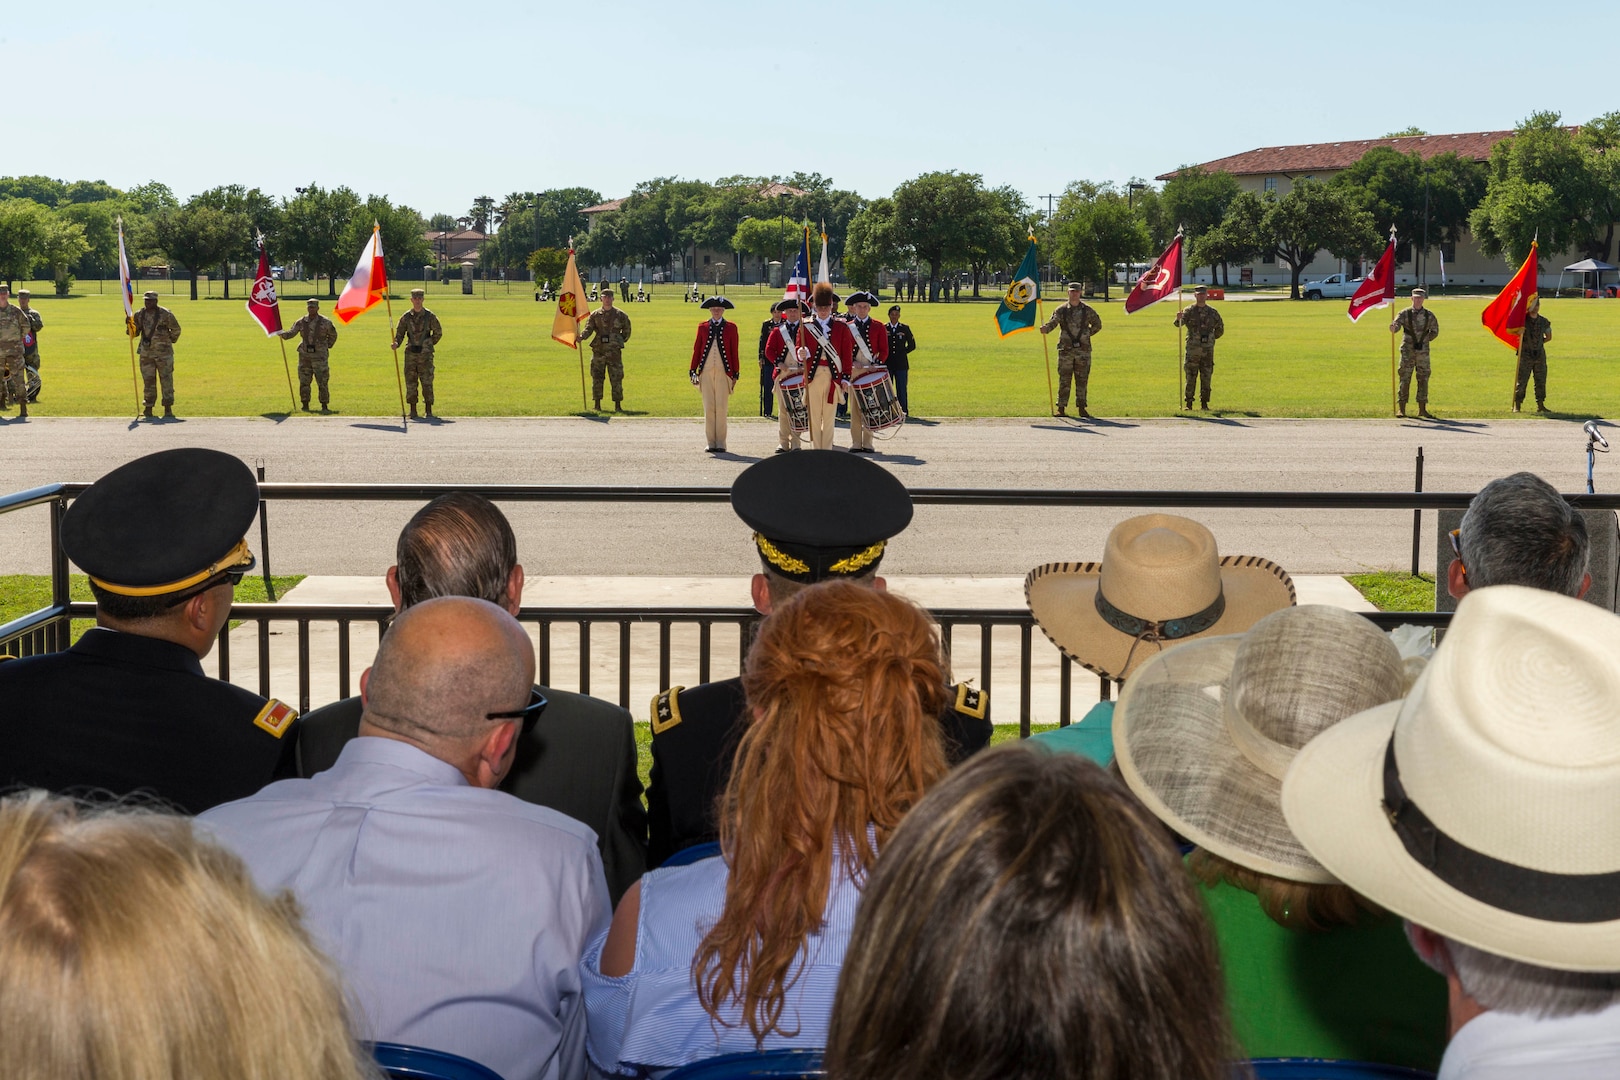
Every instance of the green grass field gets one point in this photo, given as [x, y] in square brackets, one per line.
[1278, 358]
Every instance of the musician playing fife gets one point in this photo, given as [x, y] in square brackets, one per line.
[874, 357]
[826, 348]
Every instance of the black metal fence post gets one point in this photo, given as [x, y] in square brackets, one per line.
[264, 540]
[1417, 517]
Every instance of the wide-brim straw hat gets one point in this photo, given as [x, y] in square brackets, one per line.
[1161, 582]
[1486, 806]
[1204, 733]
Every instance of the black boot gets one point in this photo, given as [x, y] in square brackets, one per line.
[618, 406]
[146, 413]
[168, 412]
[305, 406]
[413, 412]
[596, 406]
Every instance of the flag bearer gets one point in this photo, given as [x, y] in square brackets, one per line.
[1418, 327]
[420, 330]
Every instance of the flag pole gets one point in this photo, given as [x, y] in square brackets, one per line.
[134, 383]
[399, 379]
[292, 402]
[1180, 331]
[1394, 407]
[584, 402]
[1051, 401]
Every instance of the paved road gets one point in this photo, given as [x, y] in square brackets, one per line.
[1221, 453]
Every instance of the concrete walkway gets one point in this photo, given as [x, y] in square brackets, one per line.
[931, 591]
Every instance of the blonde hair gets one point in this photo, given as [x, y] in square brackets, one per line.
[1296, 905]
[134, 949]
[846, 685]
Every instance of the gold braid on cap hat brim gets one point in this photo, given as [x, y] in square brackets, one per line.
[778, 558]
[859, 561]
[237, 556]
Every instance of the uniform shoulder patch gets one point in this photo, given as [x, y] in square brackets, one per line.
[276, 717]
[971, 701]
[666, 710]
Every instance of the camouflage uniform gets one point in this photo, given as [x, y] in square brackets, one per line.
[1418, 328]
[1533, 360]
[159, 330]
[14, 326]
[1204, 325]
[420, 330]
[1078, 322]
[316, 334]
[31, 348]
[611, 329]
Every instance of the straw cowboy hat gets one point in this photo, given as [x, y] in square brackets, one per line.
[1161, 582]
[1486, 806]
[1203, 733]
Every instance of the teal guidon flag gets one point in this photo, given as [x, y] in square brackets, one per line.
[1017, 310]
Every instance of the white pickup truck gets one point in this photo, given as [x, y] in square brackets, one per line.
[1332, 287]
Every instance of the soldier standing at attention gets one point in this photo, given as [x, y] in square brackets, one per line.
[158, 330]
[1203, 325]
[714, 369]
[420, 330]
[767, 370]
[902, 343]
[1418, 327]
[1533, 355]
[611, 327]
[316, 335]
[14, 330]
[31, 342]
[1079, 321]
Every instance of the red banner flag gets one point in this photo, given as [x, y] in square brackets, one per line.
[1504, 316]
[369, 284]
[1378, 290]
[1161, 281]
[263, 304]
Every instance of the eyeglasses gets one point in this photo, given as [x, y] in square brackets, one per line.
[1455, 536]
[529, 714]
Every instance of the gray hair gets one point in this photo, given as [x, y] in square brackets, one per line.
[1520, 531]
[460, 544]
[1512, 986]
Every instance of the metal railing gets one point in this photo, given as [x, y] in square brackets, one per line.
[49, 628]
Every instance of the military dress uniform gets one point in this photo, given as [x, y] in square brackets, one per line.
[120, 713]
[902, 343]
[14, 330]
[816, 516]
[158, 330]
[767, 382]
[316, 335]
[607, 330]
[873, 357]
[1533, 360]
[1418, 328]
[1075, 324]
[421, 333]
[1204, 325]
[714, 370]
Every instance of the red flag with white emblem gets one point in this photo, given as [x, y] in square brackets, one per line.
[1505, 316]
[1378, 290]
[1161, 281]
[262, 303]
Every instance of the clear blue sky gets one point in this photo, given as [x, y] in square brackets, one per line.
[434, 104]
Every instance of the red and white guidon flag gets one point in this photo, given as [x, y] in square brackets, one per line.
[1378, 289]
[1161, 281]
[262, 302]
[369, 284]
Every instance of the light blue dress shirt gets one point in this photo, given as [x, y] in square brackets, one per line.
[456, 914]
[649, 1021]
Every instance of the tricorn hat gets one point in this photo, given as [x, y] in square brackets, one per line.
[819, 514]
[861, 297]
[718, 302]
[792, 304]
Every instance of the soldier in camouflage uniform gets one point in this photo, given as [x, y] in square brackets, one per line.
[1533, 355]
[158, 330]
[1204, 325]
[1418, 327]
[1079, 321]
[420, 330]
[31, 344]
[316, 335]
[610, 327]
[14, 328]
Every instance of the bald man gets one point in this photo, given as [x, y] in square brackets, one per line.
[457, 913]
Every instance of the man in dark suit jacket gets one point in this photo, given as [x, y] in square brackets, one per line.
[767, 370]
[902, 343]
[580, 758]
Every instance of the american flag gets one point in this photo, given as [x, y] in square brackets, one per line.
[798, 285]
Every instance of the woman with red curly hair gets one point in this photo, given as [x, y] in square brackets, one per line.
[845, 685]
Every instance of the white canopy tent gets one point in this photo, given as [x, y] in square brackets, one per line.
[1585, 267]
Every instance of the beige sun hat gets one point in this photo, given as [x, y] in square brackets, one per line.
[1204, 732]
[1486, 806]
[1161, 582]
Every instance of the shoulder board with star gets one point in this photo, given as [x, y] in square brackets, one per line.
[666, 710]
[971, 701]
[276, 717]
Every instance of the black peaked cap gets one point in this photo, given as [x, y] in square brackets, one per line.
[161, 520]
[820, 514]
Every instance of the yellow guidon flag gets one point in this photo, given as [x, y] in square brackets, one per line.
[572, 307]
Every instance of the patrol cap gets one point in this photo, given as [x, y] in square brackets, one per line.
[149, 294]
[820, 514]
[1420, 292]
[790, 305]
[312, 302]
[418, 292]
[862, 297]
[1076, 286]
[24, 292]
[1199, 290]
[163, 523]
[718, 302]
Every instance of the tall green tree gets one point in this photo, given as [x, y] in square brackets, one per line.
[41, 189]
[257, 212]
[99, 220]
[64, 244]
[1196, 201]
[482, 213]
[933, 216]
[400, 227]
[1551, 182]
[90, 191]
[1416, 196]
[314, 224]
[24, 226]
[1239, 238]
[1094, 228]
[197, 236]
[151, 197]
[870, 244]
[1315, 217]
[997, 232]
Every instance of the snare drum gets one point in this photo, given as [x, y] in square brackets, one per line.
[874, 392]
[796, 400]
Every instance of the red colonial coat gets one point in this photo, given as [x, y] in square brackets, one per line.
[876, 337]
[728, 346]
[842, 341]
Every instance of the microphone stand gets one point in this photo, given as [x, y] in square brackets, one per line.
[1592, 449]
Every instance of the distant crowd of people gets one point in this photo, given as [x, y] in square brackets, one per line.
[1292, 835]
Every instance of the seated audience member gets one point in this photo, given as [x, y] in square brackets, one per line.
[817, 515]
[1483, 809]
[457, 913]
[1519, 531]
[128, 709]
[581, 758]
[742, 951]
[133, 949]
[1030, 921]
[1204, 733]
[1161, 583]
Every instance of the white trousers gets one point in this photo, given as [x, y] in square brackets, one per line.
[716, 386]
[822, 411]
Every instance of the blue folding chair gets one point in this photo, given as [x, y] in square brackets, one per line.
[1321, 1069]
[400, 1062]
[689, 855]
[772, 1064]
